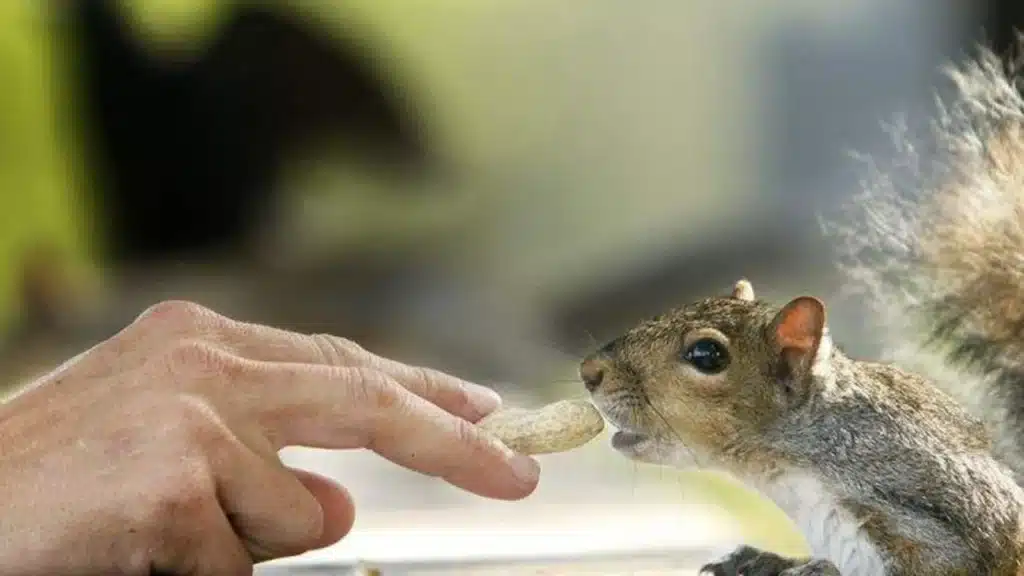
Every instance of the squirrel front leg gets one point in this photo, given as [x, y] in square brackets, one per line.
[749, 561]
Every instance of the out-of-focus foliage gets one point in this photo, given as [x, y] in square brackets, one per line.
[41, 189]
[39, 200]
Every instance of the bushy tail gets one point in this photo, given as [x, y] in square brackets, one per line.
[936, 243]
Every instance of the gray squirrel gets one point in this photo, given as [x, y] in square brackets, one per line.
[908, 467]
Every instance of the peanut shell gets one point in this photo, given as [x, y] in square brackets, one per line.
[557, 427]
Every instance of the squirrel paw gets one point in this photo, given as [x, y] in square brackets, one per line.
[749, 561]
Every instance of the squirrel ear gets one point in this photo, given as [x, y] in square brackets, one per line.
[743, 290]
[801, 335]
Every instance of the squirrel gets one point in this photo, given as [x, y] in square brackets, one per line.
[909, 465]
[883, 472]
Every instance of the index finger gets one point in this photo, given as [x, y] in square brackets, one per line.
[342, 408]
[270, 344]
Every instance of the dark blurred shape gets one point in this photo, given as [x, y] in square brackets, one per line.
[187, 152]
[1003, 21]
[45, 291]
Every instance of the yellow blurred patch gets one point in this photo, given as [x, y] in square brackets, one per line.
[39, 198]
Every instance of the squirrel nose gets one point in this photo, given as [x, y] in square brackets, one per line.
[592, 373]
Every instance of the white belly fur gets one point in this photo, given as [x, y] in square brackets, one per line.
[831, 532]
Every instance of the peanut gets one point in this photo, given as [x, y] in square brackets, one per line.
[557, 427]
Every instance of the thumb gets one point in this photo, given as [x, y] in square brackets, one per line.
[338, 509]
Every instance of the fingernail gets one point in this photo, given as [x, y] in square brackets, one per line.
[525, 469]
[483, 400]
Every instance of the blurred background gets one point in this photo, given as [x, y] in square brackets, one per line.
[490, 188]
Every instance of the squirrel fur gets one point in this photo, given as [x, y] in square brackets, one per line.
[904, 468]
[936, 245]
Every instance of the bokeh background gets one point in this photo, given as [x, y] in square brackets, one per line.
[490, 188]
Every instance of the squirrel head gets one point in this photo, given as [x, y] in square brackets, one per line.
[702, 384]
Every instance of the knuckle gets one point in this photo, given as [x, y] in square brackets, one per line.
[427, 378]
[443, 387]
[194, 411]
[198, 358]
[374, 390]
[336, 350]
[196, 425]
[176, 316]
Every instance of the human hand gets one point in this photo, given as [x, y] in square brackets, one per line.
[157, 450]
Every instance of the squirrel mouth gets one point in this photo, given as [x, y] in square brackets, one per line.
[625, 440]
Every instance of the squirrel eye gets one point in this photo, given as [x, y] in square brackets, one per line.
[707, 355]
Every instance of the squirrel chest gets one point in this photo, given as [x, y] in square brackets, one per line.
[831, 531]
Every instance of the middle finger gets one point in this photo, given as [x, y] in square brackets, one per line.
[268, 344]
